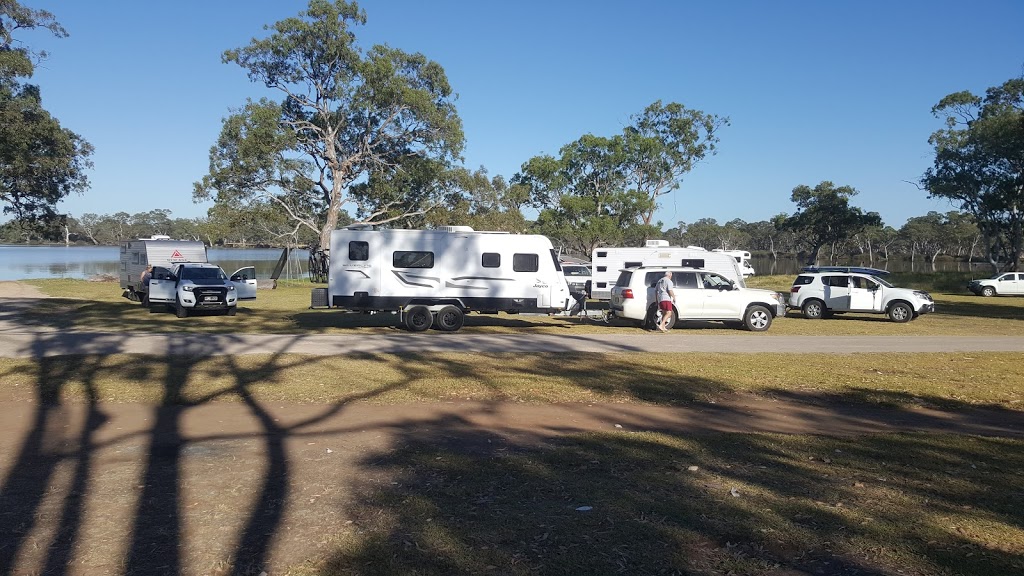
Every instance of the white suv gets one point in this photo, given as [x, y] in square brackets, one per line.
[819, 294]
[700, 295]
[1009, 283]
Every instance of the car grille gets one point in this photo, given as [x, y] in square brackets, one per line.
[210, 296]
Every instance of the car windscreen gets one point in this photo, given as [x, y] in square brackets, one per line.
[882, 282]
[203, 274]
[575, 270]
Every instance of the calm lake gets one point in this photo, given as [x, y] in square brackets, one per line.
[22, 262]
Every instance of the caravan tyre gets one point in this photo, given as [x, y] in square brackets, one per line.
[449, 319]
[418, 318]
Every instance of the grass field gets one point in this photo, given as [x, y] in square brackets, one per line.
[441, 501]
[99, 306]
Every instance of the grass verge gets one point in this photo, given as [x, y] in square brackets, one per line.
[940, 380]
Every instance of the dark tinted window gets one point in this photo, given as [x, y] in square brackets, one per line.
[692, 263]
[573, 270]
[632, 264]
[525, 262]
[803, 280]
[358, 250]
[602, 254]
[686, 280]
[602, 268]
[624, 278]
[836, 281]
[402, 259]
[490, 260]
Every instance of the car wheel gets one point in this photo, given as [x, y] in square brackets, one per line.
[900, 312]
[651, 322]
[418, 318]
[988, 291]
[231, 311]
[813, 309]
[757, 319]
[179, 310]
[449, 319]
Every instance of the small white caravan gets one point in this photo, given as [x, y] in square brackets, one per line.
[164, 254]
[608, 261]
[742, 258]
[434, 277]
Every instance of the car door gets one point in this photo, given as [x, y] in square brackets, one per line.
[837, 291]
[244, 280]
[1009, 284]
[719, 298]
[162, 285]
[864, 294]
[689, 296]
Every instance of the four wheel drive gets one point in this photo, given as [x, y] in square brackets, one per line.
[1010, 283]
[198, 286]
[820, 294]
[700, 295]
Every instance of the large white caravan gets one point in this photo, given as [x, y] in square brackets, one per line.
[607, 262]
[434, 277]
[742, 258]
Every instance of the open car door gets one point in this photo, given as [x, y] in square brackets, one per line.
[162, 286]
[244, 280]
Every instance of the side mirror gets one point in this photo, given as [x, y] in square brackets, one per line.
[236, 278]
[172, 277]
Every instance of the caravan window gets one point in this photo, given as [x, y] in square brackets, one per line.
[404, 259]
[692, 263]
[525, 262]
[490, 260]
[358, 250]
[135, 257]
[632, 264]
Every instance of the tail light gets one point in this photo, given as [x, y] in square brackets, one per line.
[627, 293]
[794, 289]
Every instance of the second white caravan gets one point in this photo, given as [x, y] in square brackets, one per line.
[607, 262]
[435, 277]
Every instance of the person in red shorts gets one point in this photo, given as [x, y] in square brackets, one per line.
[666, 294]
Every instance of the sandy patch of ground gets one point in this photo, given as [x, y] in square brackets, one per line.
[14, 289]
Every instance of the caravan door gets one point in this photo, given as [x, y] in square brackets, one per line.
[162, 286]
[244, 280]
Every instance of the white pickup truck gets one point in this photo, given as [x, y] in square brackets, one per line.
[193, 286]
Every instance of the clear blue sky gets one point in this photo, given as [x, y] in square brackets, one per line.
[820, 90]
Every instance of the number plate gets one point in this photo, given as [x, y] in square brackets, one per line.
[210, 298]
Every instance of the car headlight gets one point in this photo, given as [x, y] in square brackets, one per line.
[231, 288]
[187, 287]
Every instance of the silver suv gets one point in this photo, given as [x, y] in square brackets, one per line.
[700, 295]
[820, 294]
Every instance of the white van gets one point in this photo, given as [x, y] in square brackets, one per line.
[742, 258]
[607, 262]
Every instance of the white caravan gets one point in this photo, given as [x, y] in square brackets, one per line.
[607, 262]
[164, 254]
[434, 277]
[742, 258]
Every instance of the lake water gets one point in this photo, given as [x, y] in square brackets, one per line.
[22, 262]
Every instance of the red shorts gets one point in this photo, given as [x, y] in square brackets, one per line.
[665, 305]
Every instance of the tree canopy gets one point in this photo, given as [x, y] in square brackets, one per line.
[347, 117]
[824, 216]
[979, 164]
[40, 162]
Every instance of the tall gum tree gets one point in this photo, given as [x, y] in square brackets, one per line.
[40, 162]
[979, 165]
[346, 117]
[824, 216]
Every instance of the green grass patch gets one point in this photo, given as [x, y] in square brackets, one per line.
[643, 503]
[941, 380]
[98, 306]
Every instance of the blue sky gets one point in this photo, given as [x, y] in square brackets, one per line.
[838, 91]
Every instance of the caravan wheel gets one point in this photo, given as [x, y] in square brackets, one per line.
[449, 319]
[418, 318]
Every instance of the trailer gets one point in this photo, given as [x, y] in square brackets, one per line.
[608, 261]
[435, 277]
[156, 251]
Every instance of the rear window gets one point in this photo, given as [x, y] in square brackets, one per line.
[624, 278]
[571, 270]
[803, 280]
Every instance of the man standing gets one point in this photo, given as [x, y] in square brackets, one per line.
[666, 294]
[144, 279]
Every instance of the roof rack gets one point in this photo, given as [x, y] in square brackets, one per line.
[848, 269]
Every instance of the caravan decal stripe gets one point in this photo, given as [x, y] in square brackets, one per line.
[450, 284]
[406, 281]
[482, 278]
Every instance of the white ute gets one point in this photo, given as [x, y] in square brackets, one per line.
[199, 286]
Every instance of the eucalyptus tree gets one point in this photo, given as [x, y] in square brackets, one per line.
[824, 216]
[979, 164]
[347, 116]
[40, 162]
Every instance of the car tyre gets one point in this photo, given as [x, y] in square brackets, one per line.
[418, 318]
[813, 309]
[651, 322]
[757, 319]
[231, 311]
[179, 310]
[449, 319]
[988, 291]
[900, 312]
